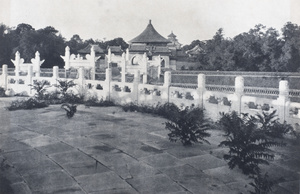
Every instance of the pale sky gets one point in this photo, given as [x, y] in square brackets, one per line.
[188, 19]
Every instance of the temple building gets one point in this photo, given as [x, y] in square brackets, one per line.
[147, 52]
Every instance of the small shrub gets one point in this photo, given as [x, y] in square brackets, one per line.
[31, 103]
[64, 85]
[213, 100]
[271, 126]
[70, 109]
[2, 92]
[226, 102]
[262, 183]
[99, 87]
[189, 126]
[40, 88]
[93, 101]
[251, 105]
[72, 98]
[248, 144]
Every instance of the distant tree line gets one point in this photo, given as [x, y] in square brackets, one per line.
[48, 41]
[260, 49]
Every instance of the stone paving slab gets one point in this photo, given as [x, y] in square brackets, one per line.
[181, 152]
[117, 191]
[54, 148]
[40, 140]
[71, 157]
[161, 160]
[102, 181]
[21, 187]
[23, 135]
[84, 168]
[205, 162]
[156, 184]
[226, 175]
[105, 150]
[50, 180]
[291, 186]
[183, 172]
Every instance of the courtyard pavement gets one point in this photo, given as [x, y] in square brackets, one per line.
[106, 150]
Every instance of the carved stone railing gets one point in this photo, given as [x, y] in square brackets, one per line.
[261, 91]
[220, 88]
[180, 85]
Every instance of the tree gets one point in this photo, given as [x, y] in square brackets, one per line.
[291, 49]
[249, 143]
[188, 125]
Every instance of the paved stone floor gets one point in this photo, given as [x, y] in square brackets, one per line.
[106, 150]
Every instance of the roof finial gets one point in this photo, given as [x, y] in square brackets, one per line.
[149, 21]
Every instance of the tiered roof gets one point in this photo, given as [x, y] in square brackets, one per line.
[87, 49]
[149, 35]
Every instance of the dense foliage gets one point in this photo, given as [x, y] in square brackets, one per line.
[249, 140]
[259, 49]
[189, 126]
[48, 41]
[30, 103]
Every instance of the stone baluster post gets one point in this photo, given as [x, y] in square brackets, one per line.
[29, 80]
[16, 62]
[4, 80]
[239, 92]
[123, 67]
[37, 64]
[136, 82]
[167, 84]
[106, 87]
[145, 65]
[67, 58]
[93, 63]
[159, 67]
[283, 101]
[109, 57]
[167, 79]
[127, 54]
[55, 75]
[201, 89]
[81, 78]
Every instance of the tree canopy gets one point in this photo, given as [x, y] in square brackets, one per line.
[259, 49]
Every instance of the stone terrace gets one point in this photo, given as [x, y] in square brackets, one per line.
[106, 150]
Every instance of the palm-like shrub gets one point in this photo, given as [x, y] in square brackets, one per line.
[262, 184]
[249, 145]
[70, 109]
[271, 126]
[40, 88]
[188, 125]
[64, 86]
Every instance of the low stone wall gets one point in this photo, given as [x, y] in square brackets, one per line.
[213, 98]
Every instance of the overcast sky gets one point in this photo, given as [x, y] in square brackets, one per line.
[188, 19]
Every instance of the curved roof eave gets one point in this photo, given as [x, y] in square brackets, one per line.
[149, 35]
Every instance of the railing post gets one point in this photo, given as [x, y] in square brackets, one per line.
[93, 63]
[67, 58]
[106, 87]
[55, 75]
[123, 67]
[239, 92]
[136, 82]
[201, 89]
[283, 100]
[4, 75]
[29, 78]
[167, 84]
[167, 79]
[81, 76]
